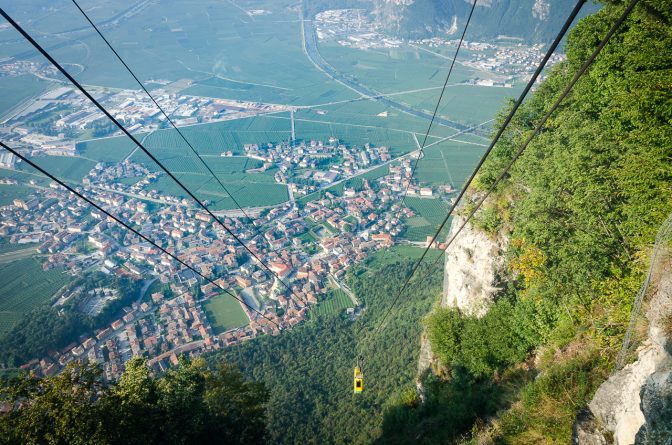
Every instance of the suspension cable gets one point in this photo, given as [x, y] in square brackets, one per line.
[129, 227]
[163, 112]
[584, 67]
[436, 109]
[142, 147]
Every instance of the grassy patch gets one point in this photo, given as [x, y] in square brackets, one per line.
[10, 192]
[396, 254]
[224, 313]
[249, 190]
[6, 247]
[107, 150]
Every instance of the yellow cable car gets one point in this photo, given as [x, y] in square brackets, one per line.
[359, 380]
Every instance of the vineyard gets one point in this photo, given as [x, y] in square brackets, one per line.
[429, 214]
[106, 150]
[23, 287]
[69, 168]
[252, 190]
[449, 162]
[336, 301]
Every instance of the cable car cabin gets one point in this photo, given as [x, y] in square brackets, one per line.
[359, 381]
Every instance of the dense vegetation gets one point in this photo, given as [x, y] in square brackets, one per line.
[580, 210]
[309, 369]
[47, 328]
[189, 404]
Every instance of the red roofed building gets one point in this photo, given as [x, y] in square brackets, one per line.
[383, 238]
[281, 269]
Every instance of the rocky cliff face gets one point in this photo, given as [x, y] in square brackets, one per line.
[472, 267]
[634, 406]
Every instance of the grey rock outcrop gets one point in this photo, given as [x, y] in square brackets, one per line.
[470, 283]
[472, 265]
[634, 406]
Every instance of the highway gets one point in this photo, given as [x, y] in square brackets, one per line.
[310, 47]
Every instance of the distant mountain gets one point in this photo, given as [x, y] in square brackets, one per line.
[530, 20]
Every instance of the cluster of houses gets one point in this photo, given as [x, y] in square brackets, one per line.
[310, 165]
[293, 255]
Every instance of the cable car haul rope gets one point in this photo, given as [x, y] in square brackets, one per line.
[358, 371]
[584, 67]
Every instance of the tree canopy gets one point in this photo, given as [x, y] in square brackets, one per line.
[189, 404]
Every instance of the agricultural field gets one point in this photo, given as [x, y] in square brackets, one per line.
[224, 313]
[218, 45]
[217, 137]
[467, 104]
[207, 139]
[21, 252]
[113, 149]
[237, 164]
[415, 77]
[364, 114]
[250, 190]
[14, 90]
[23, 176]
[23, 287]
[429, 214]
[393, 70]
[335, 302]
[450, 162]
[68, 168]
[352, 133]
[6, 247]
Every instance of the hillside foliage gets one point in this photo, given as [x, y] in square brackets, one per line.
[309, 370]
[189, 404]
[581, 208]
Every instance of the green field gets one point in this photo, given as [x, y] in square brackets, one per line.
[6, 247]
[249, 190]
[112, 149]
[449, 162]
[14, 90]
[10, 192]
[229, 53]
[23, 287]
[207, 139]
[68, 168]
[24, 176]
[399, 253]
[224, 313]
[217, 44]
[429, 215]
[335, 302]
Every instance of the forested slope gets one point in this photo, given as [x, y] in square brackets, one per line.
[189, 404]
[580, 209]
[308, 370]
